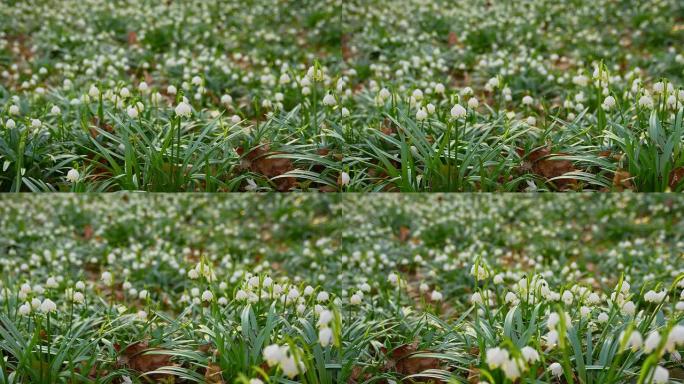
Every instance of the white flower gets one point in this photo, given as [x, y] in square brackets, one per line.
[384, 93]
[325, 336]
[511, 369]
[530, 354]
[355, 299]
[608, 102]
[473, 103]
[325, 318]
[421, 114]
[207, 296]
[10, 124]
[25, 309]
[430, 108]
[458, 111]
[107, 278]
[183, 109]
[646, 101]
[344, 178]
[660, 375]
[132, 112]
[94, 92]
[48, 306]
[322, 296]
[124, 93]
[675, 338]
[652, 342]
[255, 381]
[556, 369]
[36, 123]
[51, 283]
[553, 320]
[552, 338]
[567, 297]
[73, 175]
[496, 357]
[142, 315]
[439, 88]
[329, 100]
[171, 90]
[527, 100]
[635, 341]
[55, 110]
[14, 110]
[345, 112]
[393, 278]
[274, 354]
[235, 119]
[291, 368]
[436, 296]
[629, 308]
[78, 297]
[142, 87]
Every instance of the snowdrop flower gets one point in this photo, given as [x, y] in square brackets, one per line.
[183, 109]
[652, 342]
[107, 278]
[25, 309]
[207, 296]
[325, 318]
[36, 123]
[325, 336]
[329, 100]
[124, 93]
[94, 92]
[496, 357]
[384, 94]
[393, 278]
[14, 110]
[48, 306]
[51, 283]
[635, 341]
[675, 338]
[530, 354]
[527, 100]
[10, 124]
[345, 112]
[629, 308]
[322, 296]
[235, 119]
[531, 121]
[171, 90]
[567, 297]
[436, 296]
[556, 369]
[473, 103]
[421, 114]
[78, 297]
[439, 88]
[476, 298]
[291, 368]
[274, 353]
[660, 375]
[355, 299]
[132, 112]
[73, 175]
[646, 101]
[55, 110]
[344, 178]
[552, 338]
[458, 111]
[608, 102]
[255, 381]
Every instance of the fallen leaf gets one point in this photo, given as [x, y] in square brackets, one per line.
[214, 374]
[137, 357]
[259, 160]
[405, 360]
[676, 177]
[622, 180]
[542, 162]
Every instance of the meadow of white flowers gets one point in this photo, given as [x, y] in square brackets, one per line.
[342, 289]
[330, 95]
